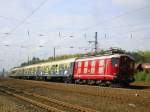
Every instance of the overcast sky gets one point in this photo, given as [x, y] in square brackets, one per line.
[34, 27]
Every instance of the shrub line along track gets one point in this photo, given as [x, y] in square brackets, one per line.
[44, 102]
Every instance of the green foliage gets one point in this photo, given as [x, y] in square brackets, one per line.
[141, 56]
[142, 76]
[33, 61]
[148, 77]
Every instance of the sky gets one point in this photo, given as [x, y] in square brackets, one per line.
[34, 27]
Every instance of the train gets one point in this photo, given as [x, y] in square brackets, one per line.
[95, 70]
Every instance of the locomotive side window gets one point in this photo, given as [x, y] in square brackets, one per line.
[93, 66]
[79, 70]
[85, 70]
[85, 67]
[79, 67]
[101, 70]
[86, 64]
[79, 64]
[93, 70]
[101, 62]
[93, 63]
[101, 66]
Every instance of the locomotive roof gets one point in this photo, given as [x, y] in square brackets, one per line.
[104, 57]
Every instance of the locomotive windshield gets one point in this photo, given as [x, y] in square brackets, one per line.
[126, 62]
[126, 65]
[115, 62]
[123, 67]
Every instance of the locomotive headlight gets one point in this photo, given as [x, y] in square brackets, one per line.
[114, 73]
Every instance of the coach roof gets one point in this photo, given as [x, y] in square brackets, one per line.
[47, 63]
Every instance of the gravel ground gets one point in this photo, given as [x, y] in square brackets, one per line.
[109, 100]
[11, 104]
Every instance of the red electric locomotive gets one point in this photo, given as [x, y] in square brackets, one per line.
[116, 68]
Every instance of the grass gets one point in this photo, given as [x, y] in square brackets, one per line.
[142, 76]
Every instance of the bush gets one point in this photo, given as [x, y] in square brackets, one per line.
[148, 77]
[142, 76]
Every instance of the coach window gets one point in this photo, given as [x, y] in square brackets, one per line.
[33, 70]
[45, 69]
[30, 70]
[57, 68]
[62, 67]
[66, 66]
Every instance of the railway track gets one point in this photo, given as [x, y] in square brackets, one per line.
[47, 85]
[115, 94]
[79, 88]
[49, 104]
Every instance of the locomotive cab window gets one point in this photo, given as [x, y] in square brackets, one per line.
[115, 62]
